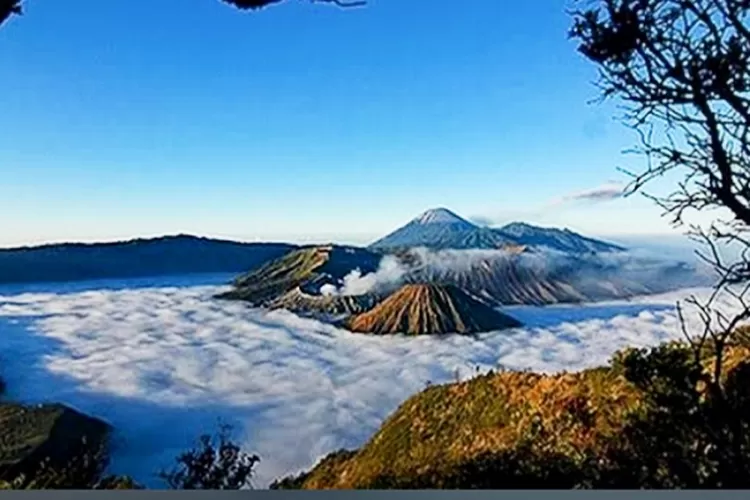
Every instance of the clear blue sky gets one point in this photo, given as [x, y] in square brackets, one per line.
[139, 117]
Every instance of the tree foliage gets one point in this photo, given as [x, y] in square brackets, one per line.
[216, 464]
[682, 69]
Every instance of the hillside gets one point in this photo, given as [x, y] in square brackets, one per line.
[633, 424]
[438, 436]
[497, 278]
[169, 255]
[534, 276]
[422, 309]
[306, 269]
[57, 434]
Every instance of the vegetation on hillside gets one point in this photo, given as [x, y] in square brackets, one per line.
[216, 463]
[645, 421]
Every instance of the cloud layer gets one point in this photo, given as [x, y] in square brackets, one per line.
[164, 365]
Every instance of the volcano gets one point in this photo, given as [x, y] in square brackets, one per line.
[428, 309]
[302, 271]
[439, 228]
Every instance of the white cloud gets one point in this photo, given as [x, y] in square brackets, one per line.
[164, 364]
[390, 271]
[606, 192]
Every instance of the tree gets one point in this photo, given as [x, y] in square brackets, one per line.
[682, 70]
[217, 464]
[10, 7]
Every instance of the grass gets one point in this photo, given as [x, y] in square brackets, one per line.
[523, 429]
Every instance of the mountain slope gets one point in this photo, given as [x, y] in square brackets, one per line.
[307, 269]
[440, 229]
[562, 240]
[496, 277]
[169, 255]
[441, 437]
[423, 309]
[596, 428]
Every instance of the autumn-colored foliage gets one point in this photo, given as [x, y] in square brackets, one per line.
[644, 421]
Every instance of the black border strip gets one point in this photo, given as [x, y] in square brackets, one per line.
[393, 494]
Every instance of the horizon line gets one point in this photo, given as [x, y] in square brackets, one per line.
[300, 240]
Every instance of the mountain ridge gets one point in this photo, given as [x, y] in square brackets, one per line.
[138, 257]
[442, 229]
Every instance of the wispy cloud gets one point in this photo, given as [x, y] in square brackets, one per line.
[606, 192]
[295, 389]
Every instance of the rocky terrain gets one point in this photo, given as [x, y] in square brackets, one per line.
[334, 306]
[430, 310]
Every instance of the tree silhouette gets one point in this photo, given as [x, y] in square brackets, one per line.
[682, 69]
[10, 7]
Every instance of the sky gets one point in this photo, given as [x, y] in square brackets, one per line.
[302, 122]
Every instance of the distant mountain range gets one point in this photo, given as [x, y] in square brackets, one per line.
[169, 255]
[442, 229]
[436, 229]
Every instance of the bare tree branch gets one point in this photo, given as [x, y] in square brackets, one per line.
[10, 7]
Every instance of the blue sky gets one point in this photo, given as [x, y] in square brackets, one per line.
[300, 122]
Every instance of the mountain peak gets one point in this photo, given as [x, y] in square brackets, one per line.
[440, 215]
[439, 228]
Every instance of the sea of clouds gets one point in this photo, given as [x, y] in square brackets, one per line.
[164, 364]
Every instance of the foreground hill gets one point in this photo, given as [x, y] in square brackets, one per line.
[443, 434]
[169, 255]
[53, 434]
[425, 309]
[643, 421]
